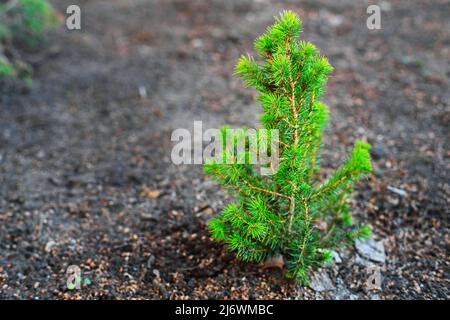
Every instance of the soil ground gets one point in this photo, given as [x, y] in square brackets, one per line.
[85, 171]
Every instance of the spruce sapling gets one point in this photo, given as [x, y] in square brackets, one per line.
[289, 212]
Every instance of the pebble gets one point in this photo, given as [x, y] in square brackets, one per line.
[50, 244]
[363, 262]
[142, 92]
[342, 292]
[371, 249]
[398, 191]
[336, 257]
[150, 261]
[320, 282]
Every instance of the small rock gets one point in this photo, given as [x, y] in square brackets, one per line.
[336, 257]
[400, 192]
[320, 281]
[54, 181]
[147, 216]
[363, 262]
[342, 292]
[150, 261]
[191, 283]
[371, 249]
[163, 291]
[142, 92]
[50, 244]
[276, 261]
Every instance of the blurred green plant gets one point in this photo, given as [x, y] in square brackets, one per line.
[6, 68]
[22, 24]
[291, 213]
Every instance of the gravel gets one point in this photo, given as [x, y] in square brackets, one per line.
[85, 171]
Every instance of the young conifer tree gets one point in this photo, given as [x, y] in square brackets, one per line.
[289, 212]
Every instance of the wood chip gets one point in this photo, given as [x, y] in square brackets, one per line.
[149, 193]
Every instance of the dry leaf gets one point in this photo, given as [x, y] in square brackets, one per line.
[147, 192]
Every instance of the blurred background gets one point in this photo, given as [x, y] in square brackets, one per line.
[85, 171]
